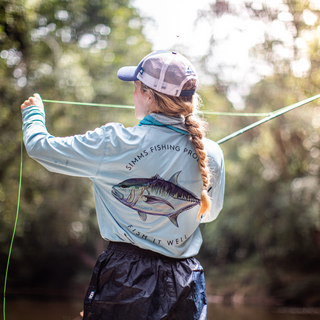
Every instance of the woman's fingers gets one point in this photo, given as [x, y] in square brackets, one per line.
[33, 101]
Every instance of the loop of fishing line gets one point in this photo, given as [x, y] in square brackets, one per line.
[269, 116]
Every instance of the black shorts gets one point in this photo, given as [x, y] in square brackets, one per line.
[136, 284]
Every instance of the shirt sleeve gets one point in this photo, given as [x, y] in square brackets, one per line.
[217, 185]
[78, 155]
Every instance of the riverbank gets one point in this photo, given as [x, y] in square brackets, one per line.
[249, 283]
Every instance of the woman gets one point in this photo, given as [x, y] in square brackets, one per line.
[154, 184]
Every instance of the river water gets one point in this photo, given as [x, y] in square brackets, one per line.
[69, 310]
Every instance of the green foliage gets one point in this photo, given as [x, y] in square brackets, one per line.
[272, 172]
[64, 50]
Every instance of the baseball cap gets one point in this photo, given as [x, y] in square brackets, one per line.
[163, 71]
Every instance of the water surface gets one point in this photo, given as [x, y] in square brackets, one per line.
[69, 310]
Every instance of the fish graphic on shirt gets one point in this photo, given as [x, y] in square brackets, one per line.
[155, 196]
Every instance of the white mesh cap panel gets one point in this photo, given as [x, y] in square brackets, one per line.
[153, 67]
[166, 73]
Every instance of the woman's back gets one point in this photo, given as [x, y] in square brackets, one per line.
[149, 183]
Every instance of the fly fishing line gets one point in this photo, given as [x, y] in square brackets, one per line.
[273, 115]
[14, 232]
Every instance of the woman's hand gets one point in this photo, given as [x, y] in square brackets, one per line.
[33, 101]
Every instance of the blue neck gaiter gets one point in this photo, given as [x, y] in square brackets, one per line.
[159, 119]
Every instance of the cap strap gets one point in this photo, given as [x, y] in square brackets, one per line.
[187, 93]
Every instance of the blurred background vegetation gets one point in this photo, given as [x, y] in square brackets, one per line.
[265, 243]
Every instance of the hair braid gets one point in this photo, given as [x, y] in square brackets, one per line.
[197, 128]
[197, 132]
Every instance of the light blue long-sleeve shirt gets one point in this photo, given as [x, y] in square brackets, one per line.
[146, 180]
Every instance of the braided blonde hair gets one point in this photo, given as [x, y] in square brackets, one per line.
[197, 128]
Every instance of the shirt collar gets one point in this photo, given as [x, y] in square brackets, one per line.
[175, 123]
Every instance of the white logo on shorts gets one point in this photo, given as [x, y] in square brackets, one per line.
[91, 295]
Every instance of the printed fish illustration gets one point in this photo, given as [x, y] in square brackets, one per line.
[155, 196]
